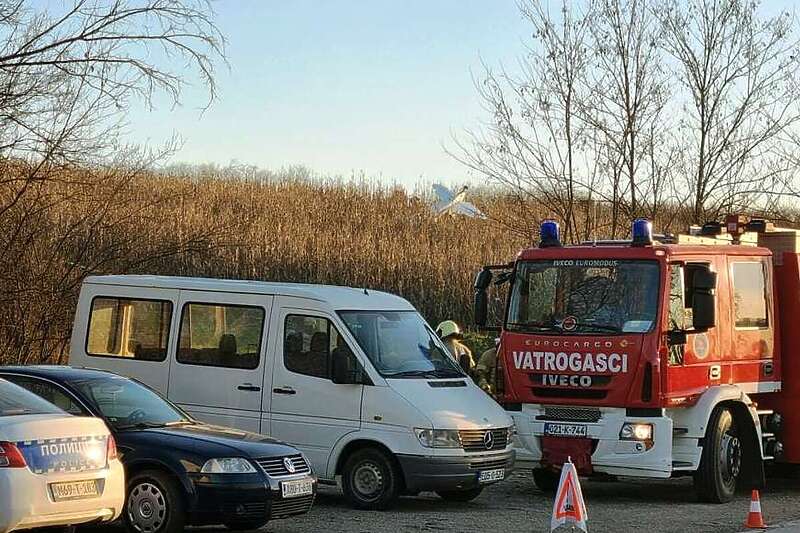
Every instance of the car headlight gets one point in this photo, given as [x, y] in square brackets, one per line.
[634, 431]
[228, 465]
[438, 438]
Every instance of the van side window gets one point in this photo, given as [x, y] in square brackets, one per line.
[750, 295]
[124, 327]
[309, 343]
[227, 336]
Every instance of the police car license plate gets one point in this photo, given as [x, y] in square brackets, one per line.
[74, 490]
[297, 487]
[488, 476]
[564, 430]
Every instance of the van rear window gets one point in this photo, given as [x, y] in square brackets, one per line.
[129, 328]
[220, 335]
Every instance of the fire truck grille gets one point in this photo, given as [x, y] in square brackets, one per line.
[570, 414]
[475, 440]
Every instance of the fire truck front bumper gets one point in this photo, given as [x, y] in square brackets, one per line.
[598, 440]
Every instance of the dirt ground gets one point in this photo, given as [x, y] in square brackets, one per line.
[517, 505]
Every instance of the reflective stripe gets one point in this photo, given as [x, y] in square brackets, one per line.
[759, 386]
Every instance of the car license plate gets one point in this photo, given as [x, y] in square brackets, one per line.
[297, 487]
[74, 490]
[488, 476]
[564, 430]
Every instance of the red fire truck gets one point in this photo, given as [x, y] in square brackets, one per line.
[652, 357]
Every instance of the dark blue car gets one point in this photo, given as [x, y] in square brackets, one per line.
[179, 471]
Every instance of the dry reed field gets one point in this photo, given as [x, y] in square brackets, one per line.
[360, 234]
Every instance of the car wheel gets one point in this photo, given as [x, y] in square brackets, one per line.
[546, 480]
[460, 495]
[246, 526]
[721, 461]
[154, 504]
[370, 479]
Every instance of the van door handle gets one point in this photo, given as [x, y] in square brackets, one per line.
[248, 387]
[284, 390]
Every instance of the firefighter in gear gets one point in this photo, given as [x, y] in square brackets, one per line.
[450, 333]
[486, 369]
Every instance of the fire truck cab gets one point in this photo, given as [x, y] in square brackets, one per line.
[653, 357]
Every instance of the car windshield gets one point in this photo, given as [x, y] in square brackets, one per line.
[400, 344]
[14, 400]
[584, 296]
[127, 404]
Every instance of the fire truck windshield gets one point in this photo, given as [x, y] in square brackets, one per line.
[584, 296]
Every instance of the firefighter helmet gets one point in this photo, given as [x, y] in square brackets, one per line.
[447, 328]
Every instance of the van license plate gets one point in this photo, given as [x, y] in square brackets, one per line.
[74, 490]
[298, 487]
[489, 476]
[564, 430]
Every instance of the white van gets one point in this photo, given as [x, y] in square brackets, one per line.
[354, 378]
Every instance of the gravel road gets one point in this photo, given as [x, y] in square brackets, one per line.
[517, 505]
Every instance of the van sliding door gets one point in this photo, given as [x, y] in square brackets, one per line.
[218, 371]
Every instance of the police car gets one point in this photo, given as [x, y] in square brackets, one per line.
[55, 469]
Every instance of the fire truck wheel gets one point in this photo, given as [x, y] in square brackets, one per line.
[721, 461]
[546, 480]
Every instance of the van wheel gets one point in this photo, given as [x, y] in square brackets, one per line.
[721, 461]
[460, 495]
[154, 504]
[370, 479]
[546, 480]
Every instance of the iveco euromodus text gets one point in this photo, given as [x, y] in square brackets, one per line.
[354, 378]
[652, 357]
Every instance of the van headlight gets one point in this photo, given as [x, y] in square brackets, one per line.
[511, 432]
[228, 465]
[438, 438]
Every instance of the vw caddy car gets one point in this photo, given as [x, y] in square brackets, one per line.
[354, 378]
[180, 471]
[55, 469]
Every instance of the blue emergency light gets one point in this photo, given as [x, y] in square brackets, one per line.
[548, 233]
[642, 232]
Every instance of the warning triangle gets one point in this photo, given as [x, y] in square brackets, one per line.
[569, 507]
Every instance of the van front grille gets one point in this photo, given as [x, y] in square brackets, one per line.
[277, 466]
[476, 440]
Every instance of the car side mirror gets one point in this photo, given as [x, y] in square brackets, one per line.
[704, 315]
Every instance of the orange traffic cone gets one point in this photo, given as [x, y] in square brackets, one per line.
[754, 518]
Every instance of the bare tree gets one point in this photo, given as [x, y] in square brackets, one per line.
[739, 72]
[534, 144]
[69, 73]
[625, 105]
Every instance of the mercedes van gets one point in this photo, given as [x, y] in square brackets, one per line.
[354, 378]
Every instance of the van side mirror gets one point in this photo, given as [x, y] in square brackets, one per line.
[482, 282]
[345, 370]
[703, 299]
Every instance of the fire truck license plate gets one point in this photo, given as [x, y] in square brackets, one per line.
[74, 490]
[488, 476]
[564, 430]
[299, 487]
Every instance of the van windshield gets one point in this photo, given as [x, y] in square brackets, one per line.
[400, 344]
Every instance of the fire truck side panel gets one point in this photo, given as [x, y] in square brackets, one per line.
[787, 402]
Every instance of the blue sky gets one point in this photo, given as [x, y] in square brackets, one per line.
[344, 86]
